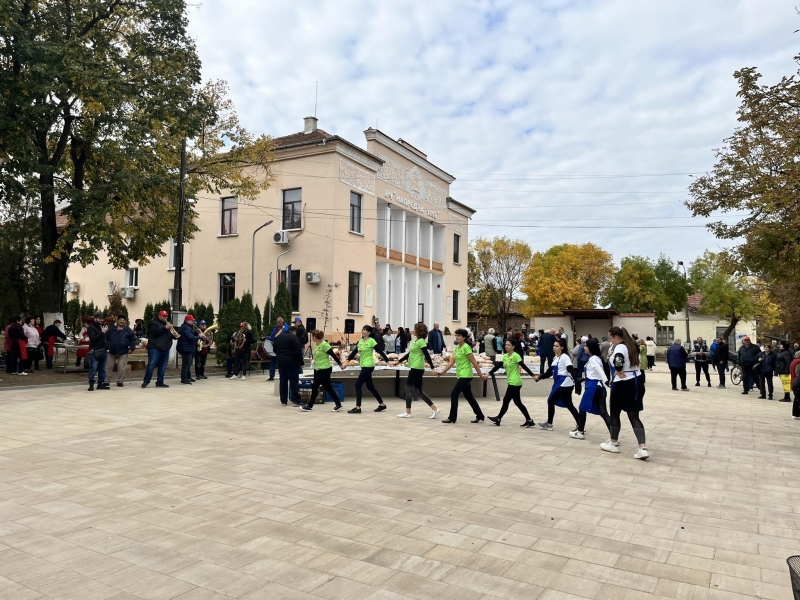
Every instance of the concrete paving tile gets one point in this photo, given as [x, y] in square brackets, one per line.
[218, 579]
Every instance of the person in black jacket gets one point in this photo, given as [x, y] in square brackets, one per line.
[721, 360]
[51, 335]
[17, 337]
[186, 347]
[701, 357]
[243, 340]
[545, 350]
[159, 343]
[288, 355]
[783, 362]
[98, 352]
[748, 359]
[121, 343]
[301, 333]
[765, 370]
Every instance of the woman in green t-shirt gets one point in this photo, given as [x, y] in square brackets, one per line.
[366, 345]
[322, 353]
[512, 362]
[417, 355]
[464, 360]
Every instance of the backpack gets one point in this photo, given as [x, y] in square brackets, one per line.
[380, 345]
[498, 344]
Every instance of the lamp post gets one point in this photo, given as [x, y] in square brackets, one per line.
[177, 284]
[253, 261]
[685, 304]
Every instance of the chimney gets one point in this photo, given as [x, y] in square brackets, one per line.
[309, 124]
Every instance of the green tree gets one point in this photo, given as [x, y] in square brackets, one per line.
[495, 273]
[73, 315]
[257, 326]
[247, 310]
[209, 314]
[567, 276]
[229, 319]
[21, 266]
[643, 286]
[269, 317]
[95, 100]
[283, 304]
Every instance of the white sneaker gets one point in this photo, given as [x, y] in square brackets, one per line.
[243, 377]
[578, 435]
[23, 373]
[642, 454]
[404, 416]
[610, 446]
[436, 412]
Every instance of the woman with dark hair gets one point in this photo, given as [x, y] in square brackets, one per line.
[564, 375]
[401, 343]
[512, 362]
[627, 390]
[417, 355]
[322, 353]
[783, 363]
[32, 344]
[594, 394]
[464, 360]
[365, 348]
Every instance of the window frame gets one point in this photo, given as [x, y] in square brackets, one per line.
[221, 288]
[293, 286]
[359, 229]
[456, 307]
[128, 273]
[173, 245]
[292, 202]
[233, 212]
[669, 331]
[351, 309]
[456, 249]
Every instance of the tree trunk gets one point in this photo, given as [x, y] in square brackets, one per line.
[54, 271]
[731, 327]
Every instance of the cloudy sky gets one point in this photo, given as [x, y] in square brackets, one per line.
[562, 120]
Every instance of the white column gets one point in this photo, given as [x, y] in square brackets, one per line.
[403, 247]
[416, 250]
[430, 248]
[388, 225]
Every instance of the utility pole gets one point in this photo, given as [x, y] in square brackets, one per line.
[177, 285]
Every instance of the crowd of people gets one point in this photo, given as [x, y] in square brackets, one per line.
[27, 344]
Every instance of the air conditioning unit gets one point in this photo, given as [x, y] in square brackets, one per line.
[127, 292]
[73, 287]
[313, 277]
[281, 238]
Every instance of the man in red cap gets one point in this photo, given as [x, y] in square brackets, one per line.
[187, 346]
[748, 359]
[159, 343]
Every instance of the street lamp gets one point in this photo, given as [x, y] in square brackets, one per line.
[253, 261]
[686, 303]
[177, 284]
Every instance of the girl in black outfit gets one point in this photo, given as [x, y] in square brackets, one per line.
[365, 348]
[321, 354]
[564, 375]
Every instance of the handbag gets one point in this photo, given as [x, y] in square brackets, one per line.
[100, 353]
[786, 380]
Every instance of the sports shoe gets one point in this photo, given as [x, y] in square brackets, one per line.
[578, 435]
[546, 426]
[243, 377]
[356, 410]
[120, 384]
[22, 373]
[697, 384]
[404, 415]
[337, 408]
[144, 385]
[162, 385]
[296, 405]
[434, 414]
[684, 389]
[91, 386]
[528, 424]
[709, 384]
[380, 407]
[642, 454]
[720, 387]
[610, 446]
[306, 408]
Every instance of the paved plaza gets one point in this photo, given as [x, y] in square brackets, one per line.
[216, 491]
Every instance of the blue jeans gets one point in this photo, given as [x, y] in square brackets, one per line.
[97, 366]
[156, 357]
[272, 368]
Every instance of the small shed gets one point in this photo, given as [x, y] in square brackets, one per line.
[596, 321]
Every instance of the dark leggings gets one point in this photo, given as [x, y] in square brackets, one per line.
[701, 367]
[513, 393]
[565, 395]
[600, 403]
[463, 386]
[322, 379]
[414, 388]
[625, 393]
[765, 383]
[365, 378]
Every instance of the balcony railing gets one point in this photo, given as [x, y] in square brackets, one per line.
[437, 266]
[380, 251]
[411, 259]
[424, 262]
[395, 255]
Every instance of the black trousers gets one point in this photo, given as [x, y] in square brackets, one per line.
[200, 364]
[701, 366]
[463, 386]
[513, 394]
[748, 377]
[651, 361]
[796, 403]
[322, 379]
[414, 388]
[549, 358]
[765, 383]
[187, 358]
[721, 370]
[290, 378]
[365, 378]
[240, 362]
[674, 373]
[600, 402]
[565, 395]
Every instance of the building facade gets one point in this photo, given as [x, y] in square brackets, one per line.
[701, 325]
[363, 234]
[596, 321]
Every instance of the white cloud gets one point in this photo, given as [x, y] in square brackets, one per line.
[499, 91]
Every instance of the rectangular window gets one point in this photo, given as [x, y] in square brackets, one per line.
[355, 212]
[354, 292]
[132, 277]
[456, 312]
[731, 338]
[230, 210]
[292, 208]
[665, 336]
[294, 287]
[227, 288]
[456, 248]
[173, 253]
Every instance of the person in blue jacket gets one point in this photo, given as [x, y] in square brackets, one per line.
[676, 359]
[121, 343]
[186, 347]
[279, 324]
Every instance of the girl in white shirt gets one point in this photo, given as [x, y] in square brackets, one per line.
[594, 394]
[627, 390]
[564, 376]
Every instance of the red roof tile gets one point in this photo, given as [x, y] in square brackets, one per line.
[298, 138]
[694, 301]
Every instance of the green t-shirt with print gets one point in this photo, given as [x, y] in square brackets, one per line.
[463, 364]
[416, 358]
[511, 365]
[365, 346]
[322, 359]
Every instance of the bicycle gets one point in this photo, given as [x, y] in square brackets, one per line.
[736, 375]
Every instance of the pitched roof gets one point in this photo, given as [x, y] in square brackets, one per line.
[300, 138]
[637, 314]
[694, 301]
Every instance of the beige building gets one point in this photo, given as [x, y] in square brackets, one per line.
[701, 325]
[367, 233]
[596, 321]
